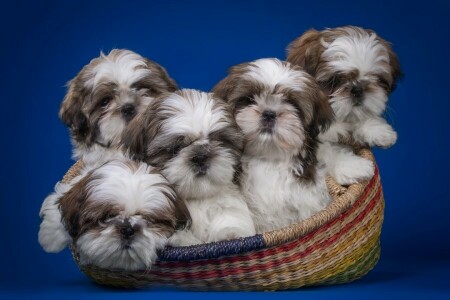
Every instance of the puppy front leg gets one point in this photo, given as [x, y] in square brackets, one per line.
[336, 131]
[53, 236]
[231, 225]
[375, 132]
[343, 165]
[183, 238]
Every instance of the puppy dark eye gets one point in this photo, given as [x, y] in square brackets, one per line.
[177, 146]
[105, 102]
[383, 83]
[150, 92]
[332, 82]
[244, 101]
[107, 216]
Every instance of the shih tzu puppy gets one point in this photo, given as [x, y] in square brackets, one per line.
[118, 216]
[192, 138]
[106, 95]
[281, 111]
[357, 70]
[101, 100]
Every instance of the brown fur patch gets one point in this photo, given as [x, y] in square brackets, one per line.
[306, 51]
[71, 205]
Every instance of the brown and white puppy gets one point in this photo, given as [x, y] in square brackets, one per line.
[106, 95]
[101, 100]
[358, 70]
[192, 138]
[119, 215]
[281, 111]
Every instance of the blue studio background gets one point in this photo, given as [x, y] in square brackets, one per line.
[45, 43]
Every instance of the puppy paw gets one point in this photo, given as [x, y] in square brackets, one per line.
[337, 131]
[230, 233]
[376, 132]
[52, 236]
[386, 137]
[183, 238]
[352, 170]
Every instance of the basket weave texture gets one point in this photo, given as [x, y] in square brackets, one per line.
[337, 245]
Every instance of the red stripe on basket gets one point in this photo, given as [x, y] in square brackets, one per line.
[264, 252]
[288, 246]
[296, 256]
[274, 250]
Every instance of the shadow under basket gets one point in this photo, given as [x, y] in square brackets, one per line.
[337, 245]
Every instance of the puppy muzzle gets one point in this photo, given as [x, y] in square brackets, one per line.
[268, 119]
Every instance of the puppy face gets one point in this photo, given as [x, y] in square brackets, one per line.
[192, 138]
[354, 66]
[120, 214]
[279, 108]
[108, 93]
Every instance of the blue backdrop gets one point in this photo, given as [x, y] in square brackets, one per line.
[45, 44]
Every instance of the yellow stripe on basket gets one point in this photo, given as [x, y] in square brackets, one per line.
[352, 247]
[300, 248]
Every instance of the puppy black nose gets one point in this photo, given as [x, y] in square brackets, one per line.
[199, 159]
[127, 231]
[357, 92]
[269, 115]
[128, 111]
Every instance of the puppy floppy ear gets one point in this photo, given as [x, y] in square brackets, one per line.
[227, 86]
[142, 130]
[71, 205]
[224, 88]
[306, 50]
[171, 85]
[134, 138]
[397, 73]
[323, 114]
[71, 112]
[182, 214]
[394, 62]
[320, 118]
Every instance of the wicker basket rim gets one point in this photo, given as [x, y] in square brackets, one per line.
[342, 199]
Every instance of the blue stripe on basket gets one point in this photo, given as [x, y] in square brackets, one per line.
[212, 250]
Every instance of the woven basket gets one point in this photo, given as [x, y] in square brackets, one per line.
[337, 245]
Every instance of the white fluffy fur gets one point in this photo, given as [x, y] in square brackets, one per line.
[276, 197]
[53, 236]
[360, 51]
[357, 50]
[197, 117]
[134, 192]
[222, 215]
[343, 164]
[216, 206]
[131, 190]
[125, 69]
[272, 72]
